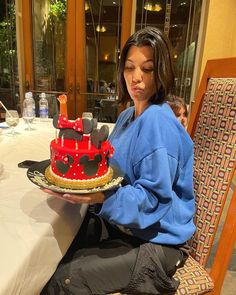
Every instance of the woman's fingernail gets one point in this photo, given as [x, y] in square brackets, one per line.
[66, 195]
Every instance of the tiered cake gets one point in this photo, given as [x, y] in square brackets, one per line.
[80, 153]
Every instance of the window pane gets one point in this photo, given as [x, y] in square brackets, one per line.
[9, 81]
[180, 21]
[49, 38]
[103, 26]
[49, 28]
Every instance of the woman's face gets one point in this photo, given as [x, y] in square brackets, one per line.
[139, 73]
[182, 116]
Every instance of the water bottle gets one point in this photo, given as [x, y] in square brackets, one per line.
[43, 106]
[28, 108]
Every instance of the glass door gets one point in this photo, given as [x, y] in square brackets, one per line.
[54, 51]
[49, 29]
[49, 23]
[76, 46]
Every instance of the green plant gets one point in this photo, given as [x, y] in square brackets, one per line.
[7, 47]
[53, 40]
[58, 10]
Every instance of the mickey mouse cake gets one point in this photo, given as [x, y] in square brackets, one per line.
[80, 153]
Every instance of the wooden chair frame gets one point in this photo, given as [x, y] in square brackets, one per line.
[218, 68]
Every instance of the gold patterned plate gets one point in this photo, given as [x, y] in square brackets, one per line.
[36, 175]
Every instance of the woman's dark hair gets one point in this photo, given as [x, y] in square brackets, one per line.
[162, 59]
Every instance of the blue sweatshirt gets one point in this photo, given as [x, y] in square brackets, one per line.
[156, 155]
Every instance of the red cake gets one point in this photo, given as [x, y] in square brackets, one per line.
[80, 155]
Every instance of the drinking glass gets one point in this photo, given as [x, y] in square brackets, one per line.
[28, 117]
[12, 120]
[87, 115]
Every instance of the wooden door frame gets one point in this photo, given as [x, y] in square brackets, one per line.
[27, 44]
[70, 83]
[128, 19]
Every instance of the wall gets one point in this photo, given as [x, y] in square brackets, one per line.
[220, 38]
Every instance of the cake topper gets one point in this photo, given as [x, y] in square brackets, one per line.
[63, 104]
[99, 135]
[75, 129]
[72, 129]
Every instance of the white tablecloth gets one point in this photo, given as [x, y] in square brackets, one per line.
[35, 229]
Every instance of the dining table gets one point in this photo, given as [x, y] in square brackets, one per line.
[36, 228]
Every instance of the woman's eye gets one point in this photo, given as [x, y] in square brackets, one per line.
[128, 68]
[148, 70]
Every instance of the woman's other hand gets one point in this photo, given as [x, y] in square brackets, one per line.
[78, 199]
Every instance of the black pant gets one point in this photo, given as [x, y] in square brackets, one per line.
[92, 266]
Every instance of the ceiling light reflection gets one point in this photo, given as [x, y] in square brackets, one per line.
[86, 6]
[101, 29]
[152, 6]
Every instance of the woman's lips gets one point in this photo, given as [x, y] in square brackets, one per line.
[136, 89]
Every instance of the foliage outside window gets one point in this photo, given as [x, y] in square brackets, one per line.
[9, 84]
[49, 53]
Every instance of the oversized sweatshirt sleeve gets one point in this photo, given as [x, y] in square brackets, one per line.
[149, 198]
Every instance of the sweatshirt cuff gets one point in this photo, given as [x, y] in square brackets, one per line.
[107, 194]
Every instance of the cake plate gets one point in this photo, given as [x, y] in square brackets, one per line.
[36, 175]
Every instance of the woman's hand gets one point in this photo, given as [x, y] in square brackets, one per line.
[78, 199]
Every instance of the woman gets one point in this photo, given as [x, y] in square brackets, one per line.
[149, 219]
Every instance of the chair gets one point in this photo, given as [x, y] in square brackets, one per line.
[212, 127]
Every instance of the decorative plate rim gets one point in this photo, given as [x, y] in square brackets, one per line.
[35, 174]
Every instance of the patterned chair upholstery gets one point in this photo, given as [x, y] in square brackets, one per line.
[214, 138]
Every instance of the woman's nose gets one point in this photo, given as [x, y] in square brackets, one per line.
[137, 75]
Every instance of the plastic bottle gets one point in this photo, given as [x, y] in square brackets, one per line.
[28, 107]
[43, 106]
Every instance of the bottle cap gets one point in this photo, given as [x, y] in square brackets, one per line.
[28, 94]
